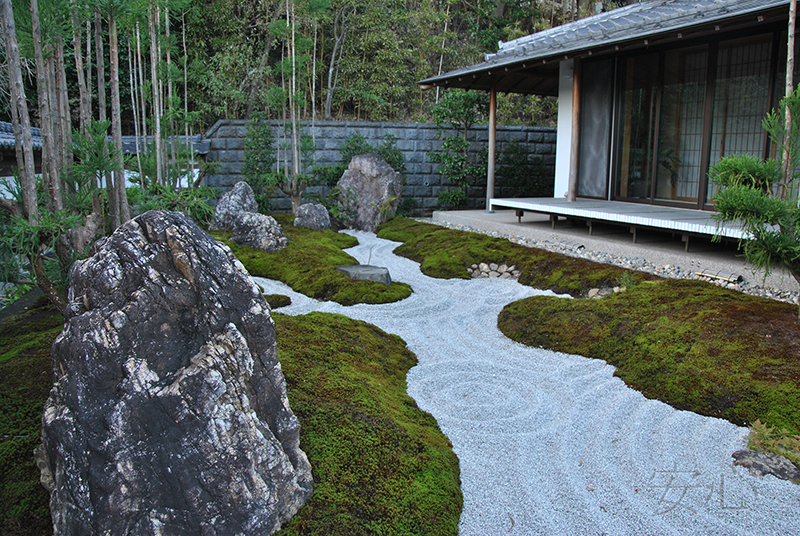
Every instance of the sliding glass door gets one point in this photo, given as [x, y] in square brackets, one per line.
[681, 110]
[680, 125]
[636, 117]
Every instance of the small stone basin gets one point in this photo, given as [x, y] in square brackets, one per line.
[365, 271]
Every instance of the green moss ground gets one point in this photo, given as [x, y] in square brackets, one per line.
[380, 465]
[691, 344]
[446, 253]
[25, 381]
[308, 265]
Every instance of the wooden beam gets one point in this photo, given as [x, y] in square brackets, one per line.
[492, 146]
[576, 123]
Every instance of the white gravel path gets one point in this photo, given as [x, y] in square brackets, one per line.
[554, 444]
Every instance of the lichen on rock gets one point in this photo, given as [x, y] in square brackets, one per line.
[169, 413]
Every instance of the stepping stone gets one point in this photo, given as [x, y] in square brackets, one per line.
[365, 271]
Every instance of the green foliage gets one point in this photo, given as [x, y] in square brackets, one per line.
[381, 465]
[25, 382]
[780, 442]
[521, 175]
[459, 110]
[356, 144]
[745, 170]
[191, 201]
[308, 265]
[747, 193]
[94, 156]
[407, 207]
[259, 161]
[775, 125]
[693, 345]
[690, 344]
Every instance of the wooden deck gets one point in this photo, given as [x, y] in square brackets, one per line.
[687, 222]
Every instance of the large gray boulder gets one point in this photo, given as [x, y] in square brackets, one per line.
[258, 231]
[169, 413]
[313, 216]
[237, 200]
[377, 188]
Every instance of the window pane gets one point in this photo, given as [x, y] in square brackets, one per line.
[633, 169]
[741, 98]
[681, 125]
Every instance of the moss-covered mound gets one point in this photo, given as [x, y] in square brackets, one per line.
[690, 344]
[308, 265]
[276, 301]
[380, 464]
[25, 382]
[446, 253]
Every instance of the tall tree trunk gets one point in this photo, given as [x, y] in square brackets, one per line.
[113, 200]
[255, 86]
[189, 145]
[50, 173]
[19, 106]
[142, 97]
[786, 161]
[135, 109]
[154, 59]
[89, 64]
[64, 115]
[116, 119]
[173, 145]
[339, 36]
[77, 49]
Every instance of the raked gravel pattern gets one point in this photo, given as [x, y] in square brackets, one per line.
[554, 444]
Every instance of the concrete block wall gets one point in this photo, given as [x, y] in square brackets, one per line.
[415, 140]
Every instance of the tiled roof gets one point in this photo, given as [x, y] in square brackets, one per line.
[629, 23]
[7, 136]
[200, 144]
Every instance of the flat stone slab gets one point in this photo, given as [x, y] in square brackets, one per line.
[365, 271]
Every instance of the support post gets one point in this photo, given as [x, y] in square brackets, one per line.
[572, 192]
[492, 147]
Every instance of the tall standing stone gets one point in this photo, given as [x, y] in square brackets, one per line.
[169, 414]
[377, 188]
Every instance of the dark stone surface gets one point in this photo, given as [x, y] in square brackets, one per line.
[169, 414]
[378, 188]
[258, 231]
[365, 271]
[313, 216]
[238, 200]
[766, 463]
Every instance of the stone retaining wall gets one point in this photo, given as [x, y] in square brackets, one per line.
[415, 140]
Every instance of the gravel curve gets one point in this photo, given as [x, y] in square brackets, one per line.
[554, 444]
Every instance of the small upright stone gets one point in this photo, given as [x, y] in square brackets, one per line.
[258, 231]
[313, 216]
[238, 200]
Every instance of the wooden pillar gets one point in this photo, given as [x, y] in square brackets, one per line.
[492, 147]
[572, 192]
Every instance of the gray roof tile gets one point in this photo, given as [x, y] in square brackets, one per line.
[627, 23]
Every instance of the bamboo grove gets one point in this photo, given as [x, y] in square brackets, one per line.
[87, 71]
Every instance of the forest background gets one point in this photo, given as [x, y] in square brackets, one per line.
[88, 71]
[354, 59]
